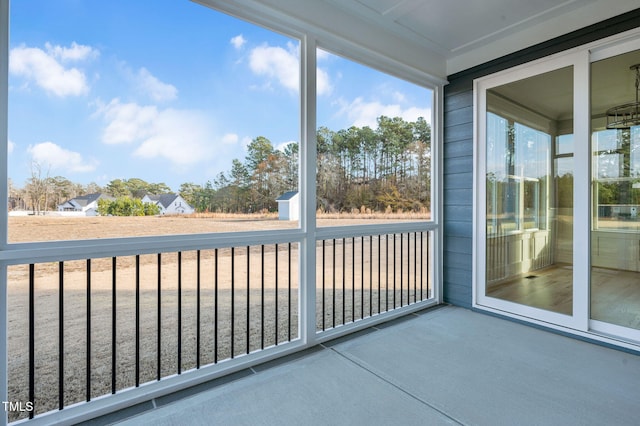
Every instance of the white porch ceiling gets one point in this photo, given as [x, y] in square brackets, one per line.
[439, 37]
[453, 27]
[469, 32]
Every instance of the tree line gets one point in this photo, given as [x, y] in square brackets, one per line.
[359, 168]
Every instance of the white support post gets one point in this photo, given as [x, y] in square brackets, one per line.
[308, 156]
[4, 106]
[437, 206]
[4, 117]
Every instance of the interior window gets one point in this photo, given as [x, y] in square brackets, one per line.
[516, 182]
[617, 174]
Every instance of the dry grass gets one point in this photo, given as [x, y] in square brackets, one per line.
[215, 332]
[52, 228]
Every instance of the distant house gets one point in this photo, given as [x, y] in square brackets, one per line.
[169, 203]
[289, 206]
[87, 204]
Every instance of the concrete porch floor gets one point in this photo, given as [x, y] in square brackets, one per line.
[441, 366]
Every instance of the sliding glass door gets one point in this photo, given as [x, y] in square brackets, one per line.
[558, 191]
[529, 197]
[615, 234]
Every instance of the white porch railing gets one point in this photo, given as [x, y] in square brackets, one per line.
[96, 326]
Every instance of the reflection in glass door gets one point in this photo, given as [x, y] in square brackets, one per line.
[615, 235]
[529, 192]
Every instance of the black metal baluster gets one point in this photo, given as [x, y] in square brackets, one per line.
[248, 300]
[198, 309]
[179, 312]
[159, 319]
[362, 277]
[427, 257]
[408, 268]
[344, 296]
[233, 294]
[276, 301]
[333, 268]
[401, 270]
[323, 284]
[88, 390]
[379, 271]
[262, 297]
[113, 324]
[386, 272]
[289, 297]
[32, 336]
[215, 309]
[415, 267]
[421, 263]
[137, 320]
[394, 271]
[353, 279]
[60, 335]
[370, 275]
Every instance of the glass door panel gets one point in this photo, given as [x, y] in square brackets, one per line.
[615, 234]
[529, 192]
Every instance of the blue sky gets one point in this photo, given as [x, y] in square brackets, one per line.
[167, 91]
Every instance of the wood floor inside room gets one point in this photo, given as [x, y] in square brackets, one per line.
[615, 295]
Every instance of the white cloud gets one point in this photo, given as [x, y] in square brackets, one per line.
[277, 63]
[399, 97]
[362, 113]
[53, 156]
[323, 82]
[246, 141]
[282, 65]
[230, 139]
[156, 89]
[178, 136]
[282, 146]
[238, 41]
[76, 52]
[322, 55]
[43, 68]
[10, 146]
[413, 113]
[184, 137]
[128, 122]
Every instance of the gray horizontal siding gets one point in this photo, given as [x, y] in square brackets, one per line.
[458, 150]
[458, 133]
[459, 180]
[458, 164]
[456, 246]
[457, 213]
[458, 195]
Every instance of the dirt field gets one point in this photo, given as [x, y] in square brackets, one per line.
[253, 286]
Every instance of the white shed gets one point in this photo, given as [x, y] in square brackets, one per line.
[289, 206]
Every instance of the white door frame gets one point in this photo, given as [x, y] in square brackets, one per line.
[579, 322]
